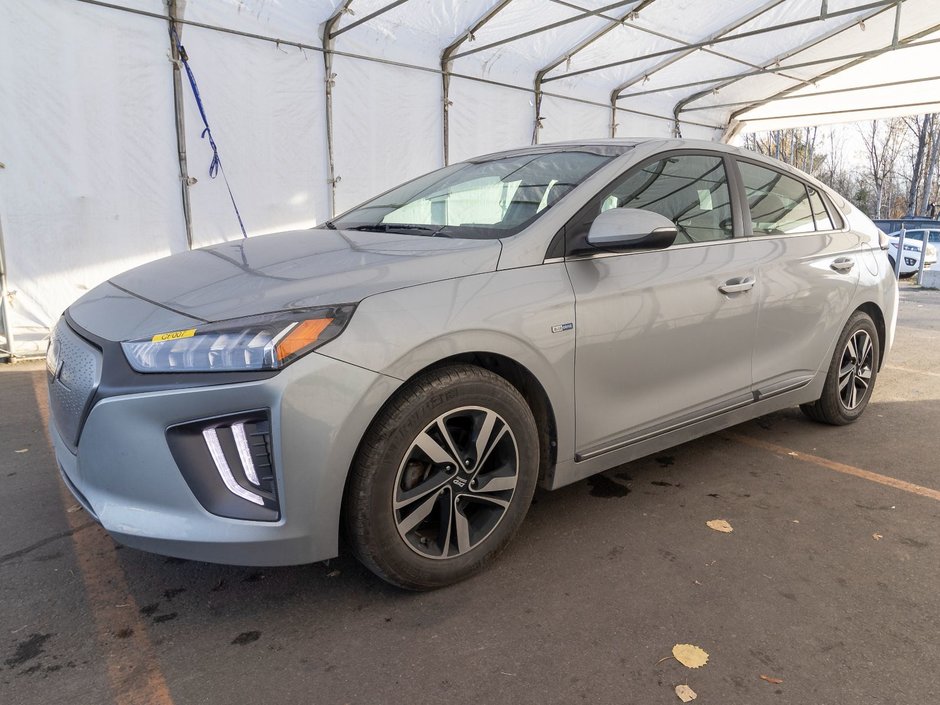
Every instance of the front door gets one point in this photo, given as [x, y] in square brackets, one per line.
[663, 337]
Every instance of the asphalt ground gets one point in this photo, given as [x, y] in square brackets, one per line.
[828, 583]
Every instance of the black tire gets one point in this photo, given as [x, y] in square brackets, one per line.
[391, 468]
[891, 262]
[833, 407]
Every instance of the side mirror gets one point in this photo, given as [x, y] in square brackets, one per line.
[624, 229]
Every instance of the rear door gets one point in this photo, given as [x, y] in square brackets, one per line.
[659, 344]
[808, 268]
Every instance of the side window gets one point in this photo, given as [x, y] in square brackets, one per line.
[779, 204]
[823, 222]
[691, 190]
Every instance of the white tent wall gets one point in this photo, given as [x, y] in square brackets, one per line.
[91, 185]
[487, 118]
[92, 179]
[265, 105]
[565, 119]
[387, 126]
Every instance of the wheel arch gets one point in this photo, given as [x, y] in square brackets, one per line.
[531, 389]
[521, 378]
[877, 315]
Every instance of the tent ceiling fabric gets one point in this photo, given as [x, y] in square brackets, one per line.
[308, 125]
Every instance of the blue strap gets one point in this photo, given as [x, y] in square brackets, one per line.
[215, 166]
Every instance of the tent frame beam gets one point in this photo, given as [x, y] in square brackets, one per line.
[909, 41]
[721, 40]
[849, 110]
[538, 30]
[363, 20]
[777, 70]
[447, 64]
[845, 27]
[583, 44]
[834, 91]
[692, 48]
[663, 35]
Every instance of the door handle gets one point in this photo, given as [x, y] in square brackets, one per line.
[737, 285]
[842, 264]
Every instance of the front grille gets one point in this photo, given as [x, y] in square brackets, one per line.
[74, 372]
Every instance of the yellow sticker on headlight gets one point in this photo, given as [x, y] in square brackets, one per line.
[175, 335]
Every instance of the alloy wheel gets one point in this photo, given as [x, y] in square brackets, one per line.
[456, 482]
[855, 369]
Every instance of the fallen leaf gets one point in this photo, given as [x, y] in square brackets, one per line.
[689, 655]
[877, 537]
[685, 693]
[796, 521]
[22, 450]
[332, 574]
[775, 681]
[719, 525]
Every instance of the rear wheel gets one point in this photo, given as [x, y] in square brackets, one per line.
[851, 376]
[443, 478]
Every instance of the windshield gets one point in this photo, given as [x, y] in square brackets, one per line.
[491, 198]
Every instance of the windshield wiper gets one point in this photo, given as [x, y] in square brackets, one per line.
[394, 228]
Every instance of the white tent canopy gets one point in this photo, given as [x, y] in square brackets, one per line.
[316, 105]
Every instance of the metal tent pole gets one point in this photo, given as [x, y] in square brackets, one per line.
[566, 56]
[6, 325]
[447, 62]
[329, 81]
[185, 181]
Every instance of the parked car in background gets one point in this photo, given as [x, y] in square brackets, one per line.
[890, 225]
[913, 248]
[410, 371]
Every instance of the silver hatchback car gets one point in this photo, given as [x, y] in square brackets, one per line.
[408, 373]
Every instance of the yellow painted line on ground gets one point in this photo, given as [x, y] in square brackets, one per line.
[912, 371]
[133, 670]
[838, 467]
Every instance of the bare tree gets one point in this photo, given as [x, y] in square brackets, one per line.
[920, 129]
[883, 141]
[795, 146]
[928, 199]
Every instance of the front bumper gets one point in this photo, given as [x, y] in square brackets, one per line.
[124, 473]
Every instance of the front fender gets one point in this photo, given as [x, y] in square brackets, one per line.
[520, 314]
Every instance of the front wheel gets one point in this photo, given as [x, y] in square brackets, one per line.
[851, 376]
[443, 478]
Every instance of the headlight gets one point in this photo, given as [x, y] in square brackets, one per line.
[912, 248]
[931, 251]
[265, 342]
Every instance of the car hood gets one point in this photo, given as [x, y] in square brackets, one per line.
[277, 272]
